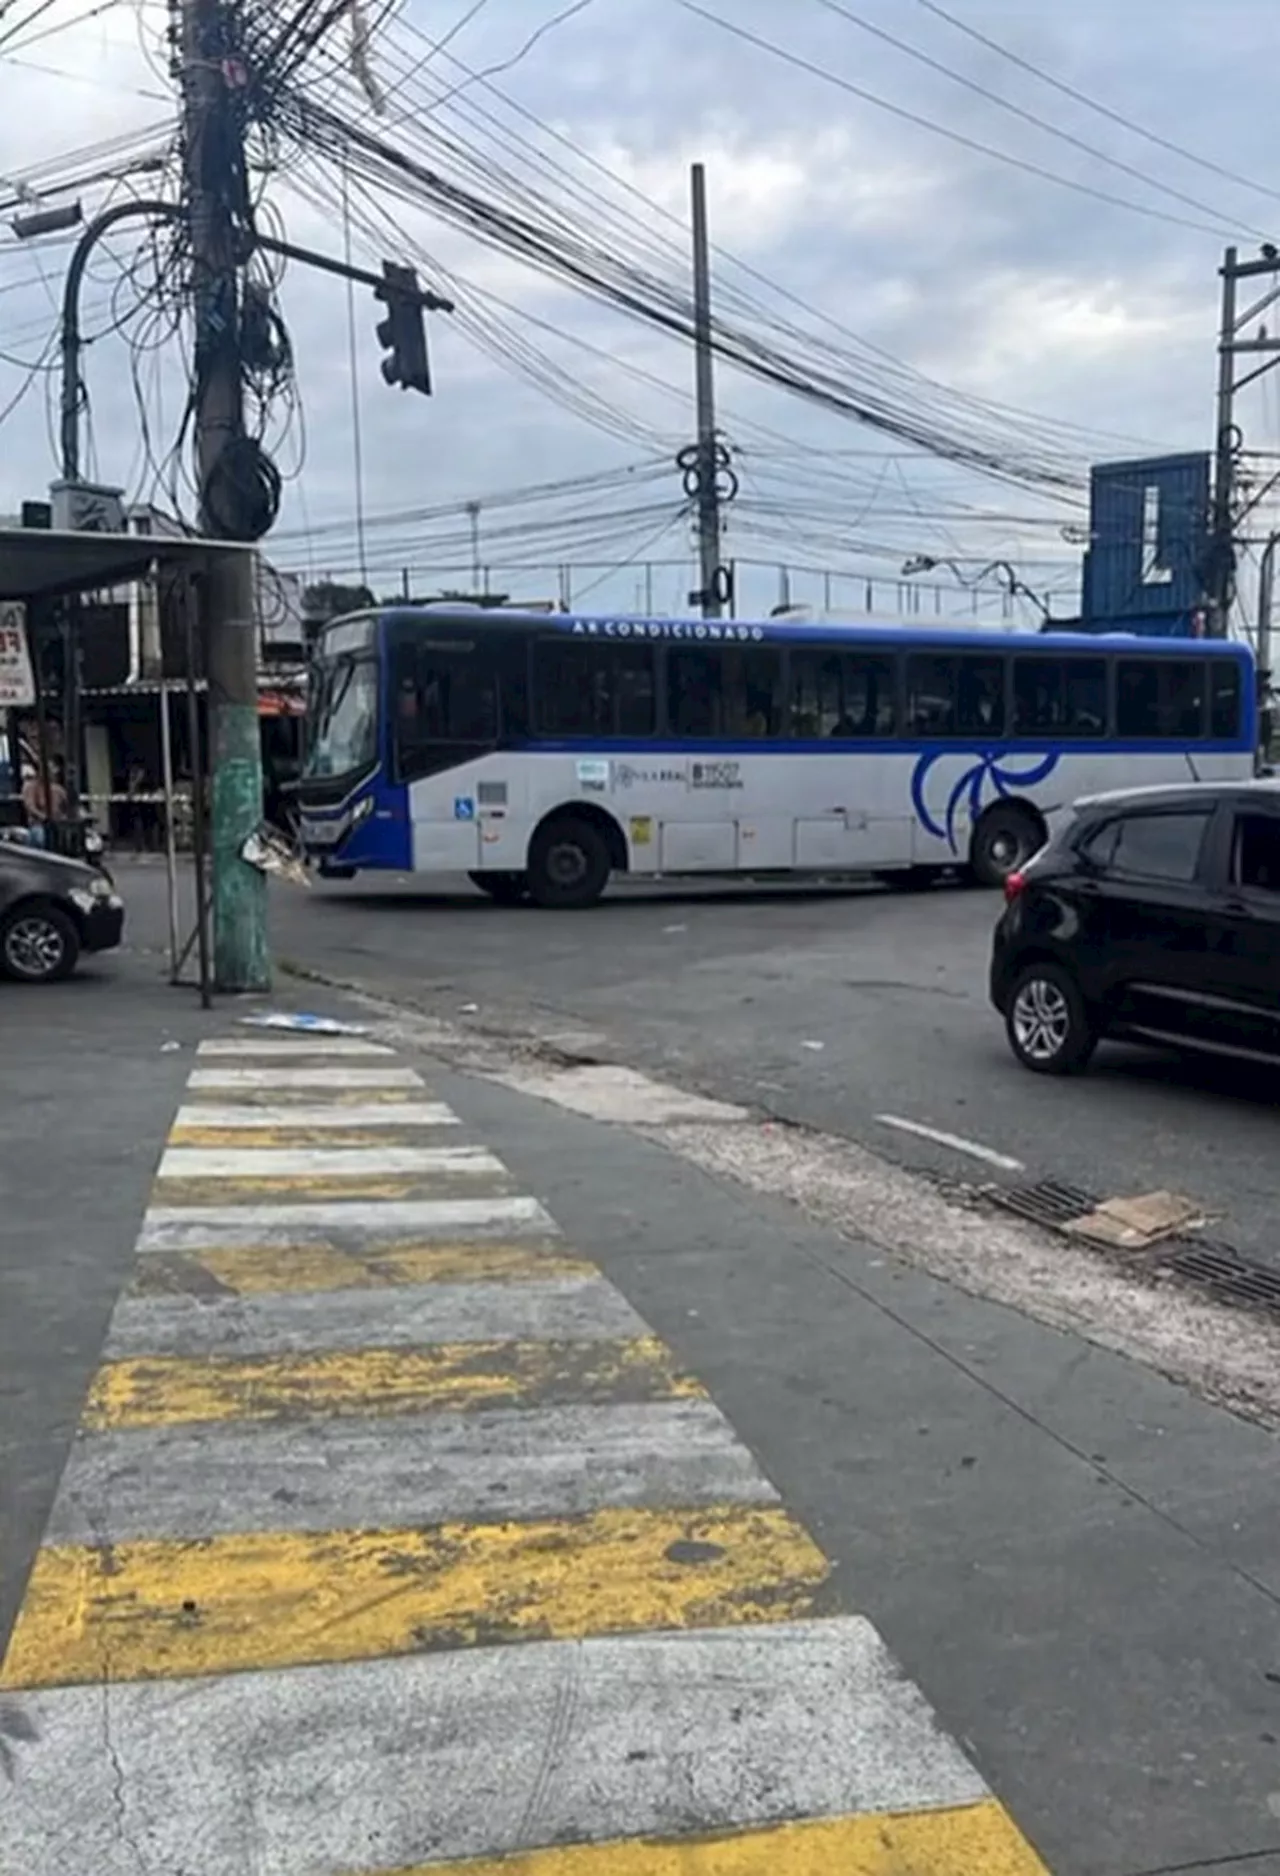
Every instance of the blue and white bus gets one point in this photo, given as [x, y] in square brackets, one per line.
[544, 753]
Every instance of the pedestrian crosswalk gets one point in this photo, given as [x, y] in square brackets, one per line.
[394, 1541]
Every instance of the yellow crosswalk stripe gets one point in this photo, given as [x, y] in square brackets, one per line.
[972, 1840]
[140, 1610]
[150, 1391]
[269, 1269]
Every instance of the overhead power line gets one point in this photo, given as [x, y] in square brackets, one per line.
[1030, 117]
[488, 125]
[1095, 104]
[564, 252]
[953, 136]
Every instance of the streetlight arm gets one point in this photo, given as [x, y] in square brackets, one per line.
[72, 386]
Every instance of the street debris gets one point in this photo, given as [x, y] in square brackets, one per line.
[272, 854]
[303, 1020]
[1135, 1224]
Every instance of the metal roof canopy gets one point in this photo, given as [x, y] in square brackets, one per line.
[44, 563]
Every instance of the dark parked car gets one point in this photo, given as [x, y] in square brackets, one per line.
[1152, 915]
[52, 909]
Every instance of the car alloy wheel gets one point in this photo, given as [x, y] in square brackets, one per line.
[1041, 1020]
[34, 947]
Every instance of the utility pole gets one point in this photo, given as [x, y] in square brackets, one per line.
[707, 494]
[217, 207]
[1220, 584]
[473, 516]
[1221, 581]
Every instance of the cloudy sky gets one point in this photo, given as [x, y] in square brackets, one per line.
[909, 267]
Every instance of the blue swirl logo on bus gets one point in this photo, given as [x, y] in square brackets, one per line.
[988, 778]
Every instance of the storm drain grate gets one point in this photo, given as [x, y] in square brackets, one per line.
[1224, 1273]
[1046, 1203]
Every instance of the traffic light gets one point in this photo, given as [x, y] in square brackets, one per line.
[403, 333]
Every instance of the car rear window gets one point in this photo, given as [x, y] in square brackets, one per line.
[1149, 846]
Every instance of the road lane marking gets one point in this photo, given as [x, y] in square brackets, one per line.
[199, 1227]
[538, 1462]
[447, 1755]
[264, 1269]
[333, 1161]
[148, 1609]
[224, 1118]
[567, 1309]
[383, 1381]
[227, 1079]
[316, 1045]
[955, 1141]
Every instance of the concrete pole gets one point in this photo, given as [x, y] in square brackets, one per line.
[1223, 523]
[708, 497]
[241, 960]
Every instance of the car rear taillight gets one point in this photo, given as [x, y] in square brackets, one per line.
[1013, 885]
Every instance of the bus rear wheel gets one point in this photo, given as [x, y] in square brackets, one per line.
[568, 865]
[1004, 839]
[502, 888]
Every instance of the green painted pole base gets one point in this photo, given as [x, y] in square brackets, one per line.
[241, 952]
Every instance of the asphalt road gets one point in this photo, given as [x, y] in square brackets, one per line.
[847, 1010]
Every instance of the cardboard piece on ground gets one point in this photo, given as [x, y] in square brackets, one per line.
[1133, 1224]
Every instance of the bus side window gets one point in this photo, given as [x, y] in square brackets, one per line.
[593, 688]
[1160, 698]
[842, 695]
[955, 696]
[1059, 697]
[724, 692]
[1224, 700]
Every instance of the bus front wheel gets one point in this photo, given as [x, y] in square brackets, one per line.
[1004, 839]
[568, 865]
[502, 888]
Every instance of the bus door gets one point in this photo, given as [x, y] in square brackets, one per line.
[849, 795]
[444, 718]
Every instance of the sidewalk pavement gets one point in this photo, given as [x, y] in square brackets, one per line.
[394, 1539]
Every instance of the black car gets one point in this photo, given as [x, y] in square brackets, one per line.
[1152, 915]
[52, 909]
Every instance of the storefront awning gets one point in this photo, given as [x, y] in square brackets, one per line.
[42, 563]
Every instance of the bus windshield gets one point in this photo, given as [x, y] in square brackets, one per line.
[344, 717]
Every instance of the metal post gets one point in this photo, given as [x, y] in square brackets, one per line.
[194, 741]
[707, 496]
[1266, 594]
[170, 842]
[72, 403]
[1222, 570]
[241, 960]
